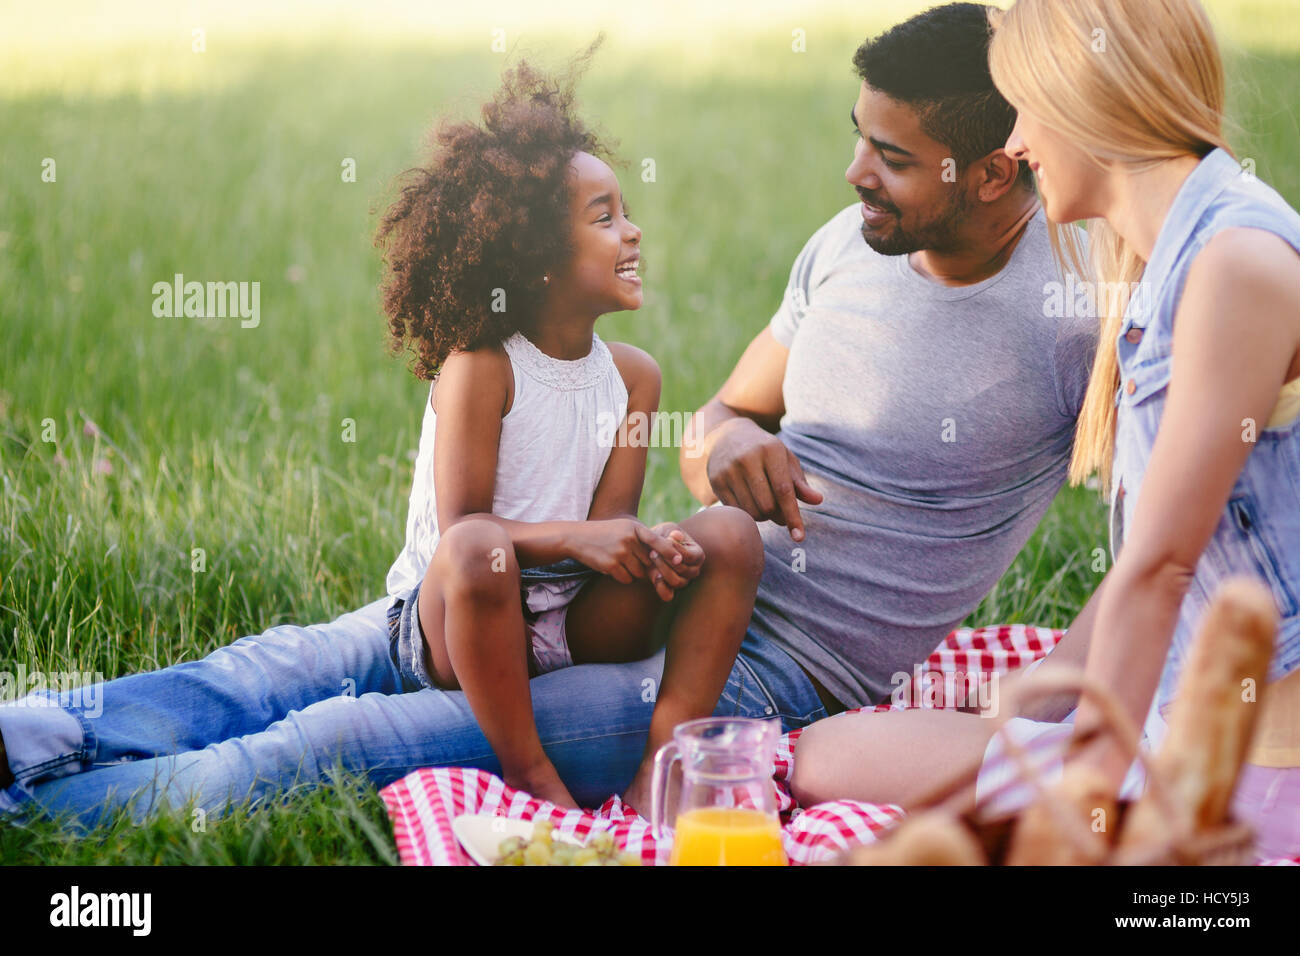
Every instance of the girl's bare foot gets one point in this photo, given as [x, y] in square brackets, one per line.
[637, 795]
[544, 783]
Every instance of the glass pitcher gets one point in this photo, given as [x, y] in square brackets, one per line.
[726, 809]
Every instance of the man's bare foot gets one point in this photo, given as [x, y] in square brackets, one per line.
[544, 783]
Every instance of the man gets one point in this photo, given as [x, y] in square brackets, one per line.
[909, 390]
[909, 387]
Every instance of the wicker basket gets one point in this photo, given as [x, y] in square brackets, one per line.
[1228, 844]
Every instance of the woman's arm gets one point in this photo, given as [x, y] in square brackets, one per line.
[1235, 342]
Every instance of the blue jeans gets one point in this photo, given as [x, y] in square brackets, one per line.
[282, 709]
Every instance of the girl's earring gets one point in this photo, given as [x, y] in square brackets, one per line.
[546, 279]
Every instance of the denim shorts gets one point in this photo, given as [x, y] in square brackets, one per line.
[545, 593]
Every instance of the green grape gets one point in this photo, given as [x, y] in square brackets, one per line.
[538, 853]
[543, 829]
[542, 849]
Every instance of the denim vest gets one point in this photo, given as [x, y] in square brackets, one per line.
[1259, 531]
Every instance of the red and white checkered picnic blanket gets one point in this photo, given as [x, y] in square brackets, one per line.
[423, 804]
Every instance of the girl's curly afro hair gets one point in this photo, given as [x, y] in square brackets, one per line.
[489, 212]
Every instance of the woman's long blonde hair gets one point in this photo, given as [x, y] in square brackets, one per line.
[1133, 82]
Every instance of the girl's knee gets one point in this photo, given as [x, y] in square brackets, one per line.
[475, 559]
[729, 537]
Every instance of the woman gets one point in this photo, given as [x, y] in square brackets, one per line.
[1120, 115]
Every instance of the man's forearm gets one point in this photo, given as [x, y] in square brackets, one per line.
[693, 459]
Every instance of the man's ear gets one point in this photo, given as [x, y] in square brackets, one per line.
[996, 174]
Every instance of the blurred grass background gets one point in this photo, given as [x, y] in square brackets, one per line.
[175, 434]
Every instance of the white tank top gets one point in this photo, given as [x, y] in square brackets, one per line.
[555, 441]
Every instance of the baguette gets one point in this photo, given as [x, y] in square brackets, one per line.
[1212, 719]
[929, 838]
[1088, 803]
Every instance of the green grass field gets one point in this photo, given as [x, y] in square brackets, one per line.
[127, 441]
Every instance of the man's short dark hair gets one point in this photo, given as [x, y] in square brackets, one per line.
[938, 63]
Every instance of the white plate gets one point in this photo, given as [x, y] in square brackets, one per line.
[481, 834]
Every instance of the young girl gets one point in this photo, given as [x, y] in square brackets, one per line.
[1202, 454]
[523, 550]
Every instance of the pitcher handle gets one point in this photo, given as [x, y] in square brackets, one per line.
[664, 759]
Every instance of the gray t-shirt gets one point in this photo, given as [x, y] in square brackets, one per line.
[937, 421]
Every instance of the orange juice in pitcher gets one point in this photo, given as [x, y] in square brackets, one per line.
[726, 810]
[726, 836]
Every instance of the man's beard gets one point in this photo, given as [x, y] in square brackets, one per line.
[937, 235]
